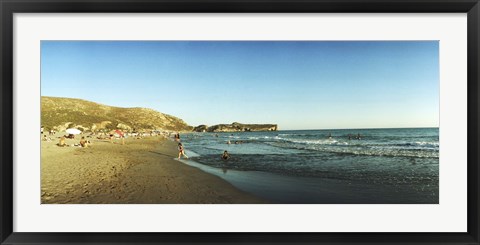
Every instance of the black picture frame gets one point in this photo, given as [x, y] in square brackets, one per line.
[9, 7]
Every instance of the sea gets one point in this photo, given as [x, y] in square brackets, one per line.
[344, 166]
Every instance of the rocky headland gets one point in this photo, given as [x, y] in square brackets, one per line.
[236, 127]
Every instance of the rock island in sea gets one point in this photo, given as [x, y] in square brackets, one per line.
[236, 127]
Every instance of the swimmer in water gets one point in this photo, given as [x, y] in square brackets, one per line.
[225, 155]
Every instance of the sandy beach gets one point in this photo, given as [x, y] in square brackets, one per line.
[140, 172]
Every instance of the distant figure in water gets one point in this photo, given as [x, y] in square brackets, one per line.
[181, 151]
[216, 135]
[225, 155]
[330, 136]
[228, 142]
[358, 137]
[349, 137]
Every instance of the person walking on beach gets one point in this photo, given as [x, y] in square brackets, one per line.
[181, 151]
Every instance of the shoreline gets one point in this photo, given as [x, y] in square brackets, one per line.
[143, 171]
[282, 189]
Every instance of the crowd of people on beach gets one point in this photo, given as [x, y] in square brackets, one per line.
[49, 135]
[117, 134]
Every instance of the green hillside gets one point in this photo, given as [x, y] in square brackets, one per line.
[60, 113]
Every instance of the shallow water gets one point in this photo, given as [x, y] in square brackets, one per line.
[326, 166]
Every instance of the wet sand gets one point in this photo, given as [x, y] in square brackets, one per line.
[140, 172]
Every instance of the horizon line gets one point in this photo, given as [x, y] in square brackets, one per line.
[355, 128]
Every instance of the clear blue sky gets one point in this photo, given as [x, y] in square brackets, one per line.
[295, 84]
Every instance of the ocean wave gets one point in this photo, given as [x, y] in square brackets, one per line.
[429, 144]
[384, 152]
[371, 145]
[390, 151]
[261, 137]
[432, 145]
[318, 142]
[379, 172]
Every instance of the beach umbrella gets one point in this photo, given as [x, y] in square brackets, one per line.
[119, 132]
[73, 131]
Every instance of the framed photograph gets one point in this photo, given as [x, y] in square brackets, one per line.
[239, 122]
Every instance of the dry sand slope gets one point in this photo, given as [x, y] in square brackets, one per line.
[141, 171]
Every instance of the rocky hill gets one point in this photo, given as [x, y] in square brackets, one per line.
[236, 127]
[62, 113]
